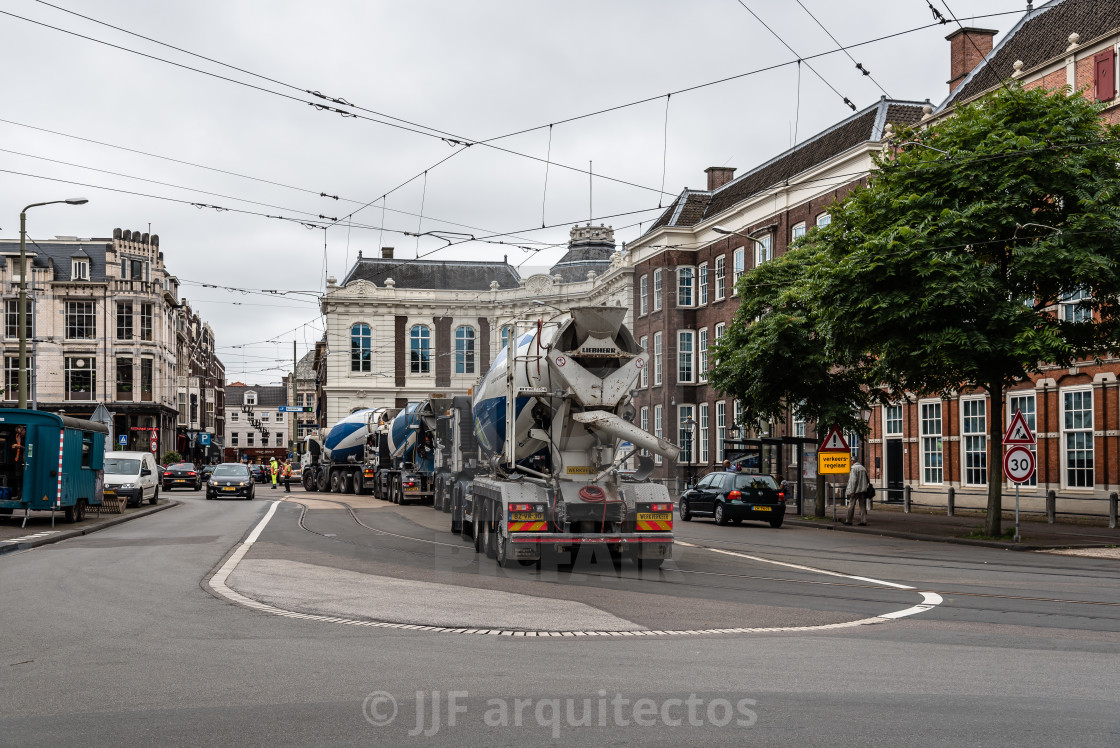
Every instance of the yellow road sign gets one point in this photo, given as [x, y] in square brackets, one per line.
[831, 463]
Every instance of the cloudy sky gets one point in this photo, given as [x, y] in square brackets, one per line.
[424, 77]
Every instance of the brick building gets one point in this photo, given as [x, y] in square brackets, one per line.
[686, 265]
[931, 444]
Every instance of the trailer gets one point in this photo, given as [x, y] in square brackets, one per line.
[50, 463]
[550, 421]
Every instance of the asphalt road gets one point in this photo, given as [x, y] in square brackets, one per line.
[118, 639]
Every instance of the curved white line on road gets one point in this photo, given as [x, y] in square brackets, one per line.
[218, 584]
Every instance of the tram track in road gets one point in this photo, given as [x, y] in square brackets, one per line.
[779, 551]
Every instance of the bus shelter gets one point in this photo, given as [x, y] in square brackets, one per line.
[787, 458]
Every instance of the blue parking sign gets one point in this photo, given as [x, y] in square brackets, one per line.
[204, 440]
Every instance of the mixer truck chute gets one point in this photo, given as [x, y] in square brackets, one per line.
[547, 477]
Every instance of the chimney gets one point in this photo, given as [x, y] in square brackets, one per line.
[968, 47]
[719, 176]
[386, 253]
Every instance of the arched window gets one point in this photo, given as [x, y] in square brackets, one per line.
[361, 355]
[506, 332]
[464, 350]
[420, 340]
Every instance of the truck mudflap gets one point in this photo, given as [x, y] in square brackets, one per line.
[561, 538]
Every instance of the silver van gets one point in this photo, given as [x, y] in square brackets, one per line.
[133, 475]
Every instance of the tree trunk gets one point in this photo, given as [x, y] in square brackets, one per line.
[993, 521]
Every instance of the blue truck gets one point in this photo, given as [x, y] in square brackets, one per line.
[50, 463]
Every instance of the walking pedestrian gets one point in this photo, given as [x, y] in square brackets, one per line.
[287, 476]
[858, 484]
[727, 467]
[274, 470]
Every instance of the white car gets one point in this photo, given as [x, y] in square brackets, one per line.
[133, 475]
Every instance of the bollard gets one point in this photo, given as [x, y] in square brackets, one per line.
[906, 499]
[952, 500]
[1051, 506]
[1112, 510]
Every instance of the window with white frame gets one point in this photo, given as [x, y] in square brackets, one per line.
[1077, 438]
[420, 350]
[737, 415]
[643, 295]
[250, 438]
[932, 457]
[798, 231]
[81, 378]
[721, 429]
[81, 320]
[507, 331]
[264, 416]
[11, 318]
[250, 398]
[279, 438]
[720, 278]
[686, 352]
[1073, 309]
[892, 420]
[686, 282]
[657, 289]
[234, 416]
[11, 376]
[657, 358]
[763, 250]
[1025, 403]
[974, 438]
[717, 334]
[702, 353]
[233, 438]
[823, 220]
[644, 420]
[361, 348]
[658, 427]
[643, 378]
[686, 432]
[464, 350]
[702, 433]
[798, 421]
[702, 284]
[181, 418]
[740, 267]
[79, 270]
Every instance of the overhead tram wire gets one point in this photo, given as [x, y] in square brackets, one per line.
[799, 57]
[500, 137]
[859, 65]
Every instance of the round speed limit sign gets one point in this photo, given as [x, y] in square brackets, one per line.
[1018, 464]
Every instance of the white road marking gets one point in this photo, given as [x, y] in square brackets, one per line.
[16, 541]
[808, 568]
[218, 584]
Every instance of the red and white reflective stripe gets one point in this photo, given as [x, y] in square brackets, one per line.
[61, 444]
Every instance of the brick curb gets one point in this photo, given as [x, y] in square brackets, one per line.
[100, 525]
[1007, 546]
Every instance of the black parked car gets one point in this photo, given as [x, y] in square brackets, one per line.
[206, 470]
[734, 497]
[260, 473]
[230, 479]
[183, 475]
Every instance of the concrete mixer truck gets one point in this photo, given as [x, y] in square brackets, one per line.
[406, 450]
[344, 458]
[539, 470]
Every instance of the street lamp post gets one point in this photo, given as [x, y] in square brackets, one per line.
[689, 428]
[23, 291]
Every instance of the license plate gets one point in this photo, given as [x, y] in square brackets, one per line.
[658, 517]
[229, 488]
[762, 508]
[414, 489]
[526, 516]
[181, 480]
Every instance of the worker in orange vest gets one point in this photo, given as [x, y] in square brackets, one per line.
[287, 473]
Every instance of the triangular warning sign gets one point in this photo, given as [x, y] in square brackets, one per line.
[834, 442]
[1018, 432]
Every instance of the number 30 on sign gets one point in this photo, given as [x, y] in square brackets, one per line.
[1018, 464]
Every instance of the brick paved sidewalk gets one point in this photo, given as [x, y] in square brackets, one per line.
[925, 524]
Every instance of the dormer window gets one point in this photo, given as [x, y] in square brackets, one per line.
[79, 269]
[250, 398]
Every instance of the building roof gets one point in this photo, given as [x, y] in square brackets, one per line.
[470, 275]
[305, 367]
[61, 253]
[693, 206]
[589, 249]
[1039, 36]
[269, 396]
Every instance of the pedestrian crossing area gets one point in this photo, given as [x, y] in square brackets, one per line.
[25, 538]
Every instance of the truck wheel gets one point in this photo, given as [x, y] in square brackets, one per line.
[491, 539]
[501, 550]
[335, 488]
[476, 530]
[308, 480]
[346, 482]
[359, 485]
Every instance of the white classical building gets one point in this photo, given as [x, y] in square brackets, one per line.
[401, 330]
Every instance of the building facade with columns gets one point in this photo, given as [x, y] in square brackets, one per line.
[402, 330]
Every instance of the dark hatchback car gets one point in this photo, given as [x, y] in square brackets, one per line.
[230, 479]
[260, 473]
[183, 475]
[734, 497]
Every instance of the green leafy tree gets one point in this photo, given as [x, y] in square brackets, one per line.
[172, 458]
[944, 274]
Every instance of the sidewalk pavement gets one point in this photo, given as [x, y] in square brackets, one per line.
[924, 524]
[39, 532]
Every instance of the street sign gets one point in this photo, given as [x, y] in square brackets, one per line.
[294, 409]
[834, 463]
[1018, 432]
[204, 440]
[1018, 464]
[834, 442]
[123, 440]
